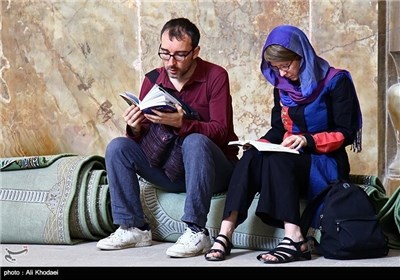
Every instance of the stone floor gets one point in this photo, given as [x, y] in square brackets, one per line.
[86, 258]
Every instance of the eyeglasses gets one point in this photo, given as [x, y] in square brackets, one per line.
[281, 68]
[177, 56]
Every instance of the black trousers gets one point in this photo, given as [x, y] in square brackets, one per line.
[279, 178]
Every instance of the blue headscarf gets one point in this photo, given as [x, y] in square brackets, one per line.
[312, 67]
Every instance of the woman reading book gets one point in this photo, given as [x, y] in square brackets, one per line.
[316, 112]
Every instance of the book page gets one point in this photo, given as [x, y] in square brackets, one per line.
[264, 146]
[156, 99]
[159, 99]
[156, 92]
[130, 98]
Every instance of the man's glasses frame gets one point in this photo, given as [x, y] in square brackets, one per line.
[281, 68]
[177, 56]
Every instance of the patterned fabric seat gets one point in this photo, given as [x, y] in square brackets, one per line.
[164, 210]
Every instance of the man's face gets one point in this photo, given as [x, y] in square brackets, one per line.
[177, 56]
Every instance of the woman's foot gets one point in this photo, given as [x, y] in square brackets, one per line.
[221, 248]
[287, 251]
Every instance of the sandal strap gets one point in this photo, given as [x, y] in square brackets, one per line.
[227, 246]
[223, 253]
[228, 242]
[216, 251]
[279, 254]
[221, 243]
[285, 254]
[218, 258]
[296, 245]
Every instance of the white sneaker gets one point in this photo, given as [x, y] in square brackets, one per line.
[190, 244]
[125, 238]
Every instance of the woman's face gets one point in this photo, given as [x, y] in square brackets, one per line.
[286, 69]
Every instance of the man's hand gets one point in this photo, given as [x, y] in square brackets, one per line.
[134, 117]
[171, 119]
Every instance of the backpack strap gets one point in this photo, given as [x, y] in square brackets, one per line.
[153, 75]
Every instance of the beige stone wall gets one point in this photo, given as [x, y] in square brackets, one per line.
[63, 64]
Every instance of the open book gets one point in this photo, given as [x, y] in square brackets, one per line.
[264, 146]
[159, 99]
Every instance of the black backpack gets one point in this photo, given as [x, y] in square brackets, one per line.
[348, 223]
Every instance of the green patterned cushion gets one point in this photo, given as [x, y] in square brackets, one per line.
[164, 211]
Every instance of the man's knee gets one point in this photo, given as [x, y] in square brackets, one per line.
[116, 145]
[195, 141]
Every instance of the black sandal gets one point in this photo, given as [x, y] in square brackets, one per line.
[226, 252]
[285, 255]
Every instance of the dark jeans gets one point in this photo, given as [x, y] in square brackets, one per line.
[207, 171]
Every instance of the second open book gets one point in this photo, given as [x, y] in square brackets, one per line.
[264, 146]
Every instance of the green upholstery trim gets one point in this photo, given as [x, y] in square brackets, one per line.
[389, 216]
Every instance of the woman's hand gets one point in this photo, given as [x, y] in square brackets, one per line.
[295, 142]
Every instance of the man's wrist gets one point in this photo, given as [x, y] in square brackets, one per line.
[135, 131]
[132, 132]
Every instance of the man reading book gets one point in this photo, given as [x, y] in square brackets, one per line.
[208, 159]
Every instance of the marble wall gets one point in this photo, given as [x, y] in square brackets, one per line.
[63, 64]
